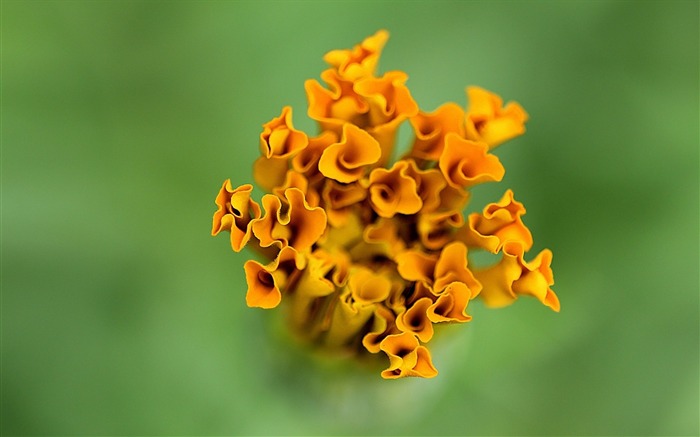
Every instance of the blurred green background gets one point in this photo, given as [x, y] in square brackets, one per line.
[121, 315]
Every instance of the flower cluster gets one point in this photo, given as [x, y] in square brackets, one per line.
[367, 254]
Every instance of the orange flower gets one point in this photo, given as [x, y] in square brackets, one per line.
[366, 255]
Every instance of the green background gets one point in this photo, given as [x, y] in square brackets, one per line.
[122, 315]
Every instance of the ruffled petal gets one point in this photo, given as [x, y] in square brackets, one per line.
[347, 161]
[451, 305]
[393, 191]
[235, 213]
[265, 282]
[452, 267]
[289, 223]
[512, 276]
[339, 200]
[390, 103]
[306, 161]
[431, 128]
[382, 326]
[406, 357]
[280, 139]
[297, 180]
[362, 60]
[488, 121]
[429, 184]
[415, 320]
[465, 163]
[499, 223]
[337, 106]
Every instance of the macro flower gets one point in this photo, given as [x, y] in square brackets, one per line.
[367, 253]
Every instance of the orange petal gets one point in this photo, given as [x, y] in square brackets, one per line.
[393, 191]
[512, 276]
[465, 163]
[499, 223]
[416, 265]
[339, 200]
[382, 326]
[306, 161]
[406, 357]
[390, 103]
[431, 128]
[362, 60]
[488, 121]
[452, 266]
[347, 160]
[235, 213]
[415, 320]
[451, 305]
[280, 139]
[292, 222]
[429, 183]
[265, 282]
[337, 106]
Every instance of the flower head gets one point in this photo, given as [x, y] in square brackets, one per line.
[368, 254]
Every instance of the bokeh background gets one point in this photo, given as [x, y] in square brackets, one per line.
[122, 315]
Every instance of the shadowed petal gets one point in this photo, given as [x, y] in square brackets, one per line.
[235, 213]
[393, 191]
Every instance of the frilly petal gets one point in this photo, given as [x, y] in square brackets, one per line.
[338, 200]
[337, 106]
[265, 282]
[451, 305]
[292, 222]
[513, 276]
[499, 223]
[306, 161]
[465, 163]
[390, 103]
[362, 60]
[236, 210]
[382, 326]
[452, 267]
[393, 191]
[429, 183]
[415, 319]
[406, 357]
[297, 180]
[488, 121]
[280, 139]
[347, 160]
[431, 128]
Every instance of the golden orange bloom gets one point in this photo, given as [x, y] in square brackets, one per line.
[364, 254]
